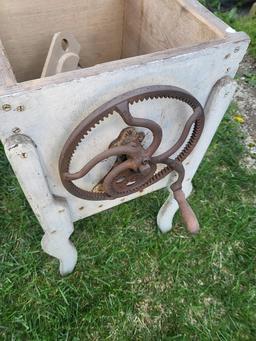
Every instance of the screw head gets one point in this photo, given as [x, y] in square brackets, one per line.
[6, 107]
[20, 108]
[16, 130]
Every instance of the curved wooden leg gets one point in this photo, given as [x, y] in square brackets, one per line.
[58, 228]
[60, 247]
[56, 243]
[52, 213]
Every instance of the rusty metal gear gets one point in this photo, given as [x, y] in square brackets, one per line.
[136, 167]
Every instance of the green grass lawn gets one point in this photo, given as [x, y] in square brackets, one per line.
[242, 23]
[131, 282]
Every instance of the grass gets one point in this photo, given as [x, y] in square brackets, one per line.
[242, 23]
[248, 25]
[238, 22]
[131, 282]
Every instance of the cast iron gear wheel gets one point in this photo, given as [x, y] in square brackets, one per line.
[140, 164]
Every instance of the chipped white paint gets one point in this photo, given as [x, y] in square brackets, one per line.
[54, 106]
[230, 30]
[52, 213]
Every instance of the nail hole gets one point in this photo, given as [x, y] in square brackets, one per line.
[227, 56]
[64, 44]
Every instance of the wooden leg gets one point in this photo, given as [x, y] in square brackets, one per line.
[52, 213]
[56, 241]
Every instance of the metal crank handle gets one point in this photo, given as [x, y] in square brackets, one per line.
[186, 211]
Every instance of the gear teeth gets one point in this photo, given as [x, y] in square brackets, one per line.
[107, 115]
[89, 130]
[195, 134]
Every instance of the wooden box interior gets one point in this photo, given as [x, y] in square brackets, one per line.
[106, 29]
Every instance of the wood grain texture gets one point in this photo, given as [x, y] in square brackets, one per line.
[106, 29]
[7, 77]
[151, 26]
[27, 28]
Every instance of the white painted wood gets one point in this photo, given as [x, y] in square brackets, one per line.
[217, 104]
[219, 100]
[52, 107]
[52, 112]
[52, 213]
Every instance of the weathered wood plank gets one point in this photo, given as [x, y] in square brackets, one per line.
[7, 77]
